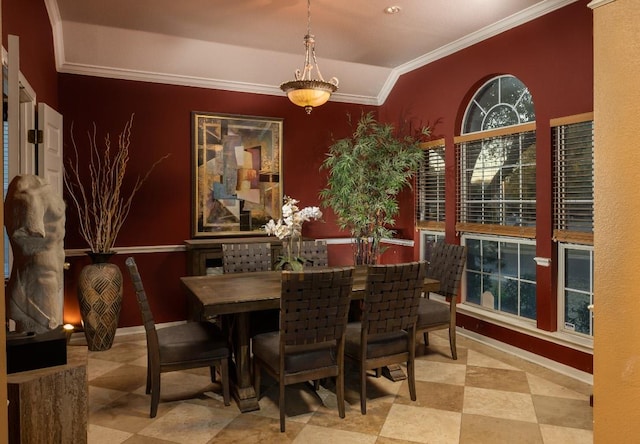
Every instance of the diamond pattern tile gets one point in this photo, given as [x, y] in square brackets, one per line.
[486, 396]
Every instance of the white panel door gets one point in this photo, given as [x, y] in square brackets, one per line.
[50, 164]
[27, 149]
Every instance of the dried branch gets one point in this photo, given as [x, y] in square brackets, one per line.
[102, 204]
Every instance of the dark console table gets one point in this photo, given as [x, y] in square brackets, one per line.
[203, 254]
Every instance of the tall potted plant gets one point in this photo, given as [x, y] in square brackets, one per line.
[366, 173]
[102, 202]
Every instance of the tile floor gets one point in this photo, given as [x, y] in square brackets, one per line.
[486, 396]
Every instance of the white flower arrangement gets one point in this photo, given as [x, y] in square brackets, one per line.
[289, 230]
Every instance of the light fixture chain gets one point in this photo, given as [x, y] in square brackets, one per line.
[308, 17]
[304, 90]
[315, 62]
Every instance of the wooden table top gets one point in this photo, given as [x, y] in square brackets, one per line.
[243, 292]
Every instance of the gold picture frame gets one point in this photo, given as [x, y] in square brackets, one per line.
[236, 174]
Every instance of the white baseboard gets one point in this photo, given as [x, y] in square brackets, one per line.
[528, 356]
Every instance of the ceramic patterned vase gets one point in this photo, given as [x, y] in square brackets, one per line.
[100, 298]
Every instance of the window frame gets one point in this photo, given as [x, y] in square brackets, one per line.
[494, 141]
[519, 279]
[560, 233]
[428, 184]
[462, 225]
[562, 247]
[567, 239]
[425, 242]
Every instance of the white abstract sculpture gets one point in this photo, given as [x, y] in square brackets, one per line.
[34, 217]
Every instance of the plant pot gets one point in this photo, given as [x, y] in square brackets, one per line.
[100, 298]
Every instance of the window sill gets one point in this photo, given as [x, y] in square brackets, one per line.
[565, 339]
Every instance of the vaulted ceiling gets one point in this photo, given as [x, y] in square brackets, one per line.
[254, 45]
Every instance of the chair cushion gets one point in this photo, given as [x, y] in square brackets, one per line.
[193, 341]
[298, 358]
[432, 312]
[377, 345]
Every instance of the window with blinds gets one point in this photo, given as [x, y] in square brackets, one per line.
[497, 181]
[573, 148]
[430, 180]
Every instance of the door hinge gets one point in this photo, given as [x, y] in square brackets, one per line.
[34, 136]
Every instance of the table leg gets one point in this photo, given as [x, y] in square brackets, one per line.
[242, 389]
[394, 372]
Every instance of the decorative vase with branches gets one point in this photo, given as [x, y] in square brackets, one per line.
[366, 173]
[102, 202]
[98, 192]
[289, 231]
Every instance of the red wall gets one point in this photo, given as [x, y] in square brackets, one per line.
[30, 22]
[161, 211]
[162, 124]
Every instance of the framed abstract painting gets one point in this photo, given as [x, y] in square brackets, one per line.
[236, 173]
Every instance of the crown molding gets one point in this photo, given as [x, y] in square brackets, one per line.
[56, 30]
[199, 82]
[597, 3]
[485, 33]
[165, 78]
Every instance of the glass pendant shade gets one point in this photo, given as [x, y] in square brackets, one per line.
[308, 93]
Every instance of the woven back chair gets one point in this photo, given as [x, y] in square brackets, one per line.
[246, 257]
[315, 253]
[310, 343]
[386, 332]
[179, 347]
[446, 265]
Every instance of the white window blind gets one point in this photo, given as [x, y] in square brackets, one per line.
[430, 185]
[573, 178]
[497, 181]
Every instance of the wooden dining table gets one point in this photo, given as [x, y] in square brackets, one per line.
[239, 294]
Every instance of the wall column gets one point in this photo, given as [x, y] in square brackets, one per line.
[617, 220]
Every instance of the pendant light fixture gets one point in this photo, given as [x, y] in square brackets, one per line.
[305, 91]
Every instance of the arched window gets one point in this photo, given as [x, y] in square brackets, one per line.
[497, 161]
[497, 197]
[502, 101]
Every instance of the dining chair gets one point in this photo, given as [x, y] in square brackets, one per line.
[315, 253]
[386, 333]
[246, 257]
[446, 265]
[310, 342]
[179, 347]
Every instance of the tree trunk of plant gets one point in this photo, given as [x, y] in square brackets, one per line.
[365, 251]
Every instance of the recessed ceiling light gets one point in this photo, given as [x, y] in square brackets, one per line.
[392, 9]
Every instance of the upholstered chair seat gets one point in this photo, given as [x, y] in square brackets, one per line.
[194, 341]
[377, 345]
[299, 358]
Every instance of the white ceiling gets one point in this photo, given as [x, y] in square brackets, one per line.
[254, 45]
